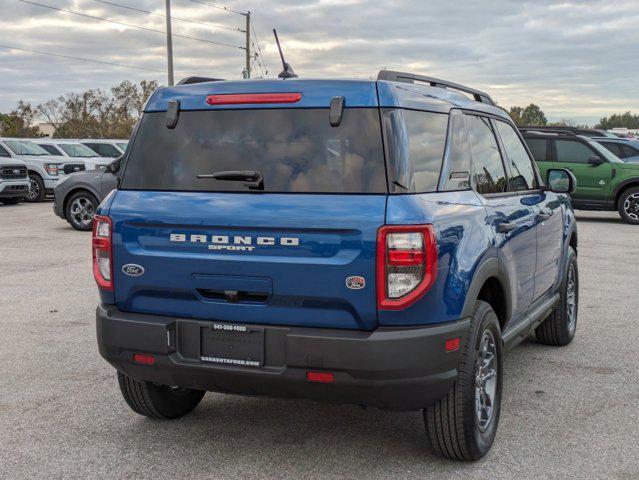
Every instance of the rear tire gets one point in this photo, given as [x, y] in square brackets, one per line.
[463, 424]
[628, 206]
[80, 209]
[160, 402]
[560, 326]
[36, 193]
[11, 201]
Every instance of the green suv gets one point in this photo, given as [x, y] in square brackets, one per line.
[604, 182]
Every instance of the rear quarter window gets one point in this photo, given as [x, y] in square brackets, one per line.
[416, 143]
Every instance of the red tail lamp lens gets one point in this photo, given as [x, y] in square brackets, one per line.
[406, 264]
[245, 98]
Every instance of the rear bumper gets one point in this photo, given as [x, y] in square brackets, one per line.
[57, 206]
[390, 368]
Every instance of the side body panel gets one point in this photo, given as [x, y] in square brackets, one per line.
[464, 241]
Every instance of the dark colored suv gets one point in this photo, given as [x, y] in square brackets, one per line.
[372, 242]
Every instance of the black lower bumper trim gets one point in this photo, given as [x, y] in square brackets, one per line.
[404, 368]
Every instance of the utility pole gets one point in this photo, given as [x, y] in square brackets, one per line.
[169, 44]
[248, 44]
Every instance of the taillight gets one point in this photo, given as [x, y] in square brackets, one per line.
[406, 264]
[102, 254]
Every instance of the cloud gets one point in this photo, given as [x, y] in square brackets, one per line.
[573, 58]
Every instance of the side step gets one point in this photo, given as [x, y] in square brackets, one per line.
[515, 335]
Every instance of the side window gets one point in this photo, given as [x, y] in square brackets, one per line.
[51, 149]
[93, 146]
[456, 175]
[572, 151]
[538, 148]
[3, 152]
[521, 167]
[629, 151]
[614, 148]
[488, 169]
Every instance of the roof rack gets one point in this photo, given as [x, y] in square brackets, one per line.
[568, 133]
[190, 80]
[393, 76]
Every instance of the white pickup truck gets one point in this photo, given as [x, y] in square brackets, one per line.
[44, 170]
[14, 182]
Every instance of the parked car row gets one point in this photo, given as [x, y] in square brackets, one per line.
[31, 168]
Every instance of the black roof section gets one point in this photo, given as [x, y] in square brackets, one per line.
[393, 76]
[190, 80]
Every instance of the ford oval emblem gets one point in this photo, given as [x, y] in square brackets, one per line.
[133, 270]
[355, 282]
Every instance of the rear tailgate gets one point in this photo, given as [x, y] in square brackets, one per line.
[278, 251]
[287, 256]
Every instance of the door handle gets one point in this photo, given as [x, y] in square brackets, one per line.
[544, 215]
[507, 227]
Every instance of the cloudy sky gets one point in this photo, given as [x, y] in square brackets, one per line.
[576, 59]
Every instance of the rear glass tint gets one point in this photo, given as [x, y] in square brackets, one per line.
[296, 150]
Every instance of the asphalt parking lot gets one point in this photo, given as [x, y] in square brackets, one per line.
[567, 412]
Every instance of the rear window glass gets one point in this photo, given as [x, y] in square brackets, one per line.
[295, 150]
[416, 143]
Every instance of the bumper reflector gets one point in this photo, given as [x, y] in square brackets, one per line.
[452, 344]
[321, 377]
[144, 359]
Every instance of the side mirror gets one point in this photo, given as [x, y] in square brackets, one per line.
[595, 161]
[560, 180]
[114, 166]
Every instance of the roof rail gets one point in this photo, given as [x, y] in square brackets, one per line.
[190, 80]
[393, 76]
[568, 133]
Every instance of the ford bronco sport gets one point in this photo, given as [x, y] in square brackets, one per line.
[371, 242]
[605, 182]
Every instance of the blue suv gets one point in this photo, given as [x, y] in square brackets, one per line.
[371, 242]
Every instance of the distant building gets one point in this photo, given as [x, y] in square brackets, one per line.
[46, 129]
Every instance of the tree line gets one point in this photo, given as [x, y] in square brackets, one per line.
[94, 113]
[534, 116]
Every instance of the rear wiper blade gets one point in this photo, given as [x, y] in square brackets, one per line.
[253, 178]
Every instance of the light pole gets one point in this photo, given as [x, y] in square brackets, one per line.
[169, 44]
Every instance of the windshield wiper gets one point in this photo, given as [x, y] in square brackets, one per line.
[253, 178]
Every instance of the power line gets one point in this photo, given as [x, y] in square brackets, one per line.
[128, 24]
[9, 47]
[226, 9]
[213, 25]
[259, 51]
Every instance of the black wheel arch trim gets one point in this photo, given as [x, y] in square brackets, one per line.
[490, 268]
[629, 183]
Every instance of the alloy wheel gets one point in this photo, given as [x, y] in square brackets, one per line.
[82, 211]
[631, 206]
[34, 191]
[571, 299]
[486, 381]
